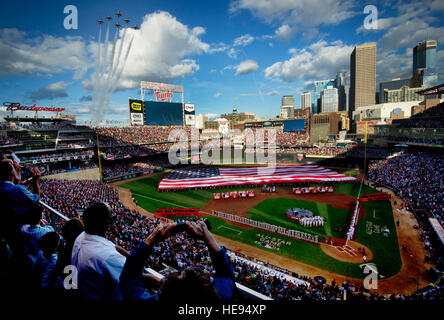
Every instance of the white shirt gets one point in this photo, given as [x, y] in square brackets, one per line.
[99, 266]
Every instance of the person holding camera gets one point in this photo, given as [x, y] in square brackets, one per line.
[189, 284]
[15, 200]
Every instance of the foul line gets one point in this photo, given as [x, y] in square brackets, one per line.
[238, 232]
[142, 195]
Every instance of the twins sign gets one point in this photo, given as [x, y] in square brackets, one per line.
[162, 96]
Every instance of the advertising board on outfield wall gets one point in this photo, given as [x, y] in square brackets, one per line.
[190, 117]
[136, 111]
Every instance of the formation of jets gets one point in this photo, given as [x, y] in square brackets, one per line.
[118, 14]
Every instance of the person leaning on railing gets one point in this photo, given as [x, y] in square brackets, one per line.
[189, 284]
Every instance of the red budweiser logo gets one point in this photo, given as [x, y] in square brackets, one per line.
[162, 96]
[14, 106]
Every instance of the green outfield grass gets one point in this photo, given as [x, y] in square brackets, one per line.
[379, 214]
[273, 211]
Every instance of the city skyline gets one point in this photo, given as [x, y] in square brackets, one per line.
[227, 54]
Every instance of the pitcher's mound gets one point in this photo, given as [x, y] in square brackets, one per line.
[349, 253]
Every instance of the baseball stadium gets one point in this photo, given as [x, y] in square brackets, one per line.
[311, 205]
[307, 222]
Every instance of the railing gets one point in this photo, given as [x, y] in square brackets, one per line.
[247, 293]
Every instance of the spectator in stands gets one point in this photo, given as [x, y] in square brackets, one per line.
[97, 260]
[15, 197]
[189, 284]
[46, 262]
[32, 231]
[70, 231]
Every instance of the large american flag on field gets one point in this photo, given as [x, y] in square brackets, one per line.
[237, 176]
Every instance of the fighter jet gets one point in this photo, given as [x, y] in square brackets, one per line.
[118, 14]
[109, 18]
[117, 25]
[127, 20]
[136, 27]
[100, 21]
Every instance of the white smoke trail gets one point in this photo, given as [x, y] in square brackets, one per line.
[119, 53]
[109, 69]
[113, 50]
[124, 61]
[95, 76]
[114, 66]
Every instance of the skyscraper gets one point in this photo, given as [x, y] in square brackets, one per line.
[318, 86]
[424, 55]
[287, 101]
[329, 99]
[424, 65]
[341, 85]
[362, 77]
[305, 100]
[394, 84]
[287, 107]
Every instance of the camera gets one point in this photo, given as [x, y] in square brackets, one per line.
[27, 173]
[181, 226]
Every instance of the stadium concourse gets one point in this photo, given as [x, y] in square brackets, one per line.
[420, 186]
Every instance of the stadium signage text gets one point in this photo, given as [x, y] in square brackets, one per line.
[162, 96]
[16, 106]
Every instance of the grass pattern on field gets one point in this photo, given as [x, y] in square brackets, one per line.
[273, 211]
[385, 249]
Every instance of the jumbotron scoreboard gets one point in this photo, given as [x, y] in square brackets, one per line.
[162, 111]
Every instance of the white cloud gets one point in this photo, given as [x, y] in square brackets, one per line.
[390, 65]
[318, 61]
[44, 55]
[246, 66]
[232, 53]
[218, 47]
[217, 94]
[284, 32]
[301, 13]
[212, 115]
[51, 91]
[273, 93]
[161, 50]
[243, 41]
[408, 34]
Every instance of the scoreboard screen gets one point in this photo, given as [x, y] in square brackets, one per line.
[159, 113]
[294, 125]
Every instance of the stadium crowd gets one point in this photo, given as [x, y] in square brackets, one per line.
[5, 140]
[120, 169]
[135, 151]
[111, 136]
[109, 231]
[417, 177]
[56, 155]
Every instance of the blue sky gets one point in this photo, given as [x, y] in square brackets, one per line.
[238, 53]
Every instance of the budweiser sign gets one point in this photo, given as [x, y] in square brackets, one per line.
[16, 106]
[162, 96]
